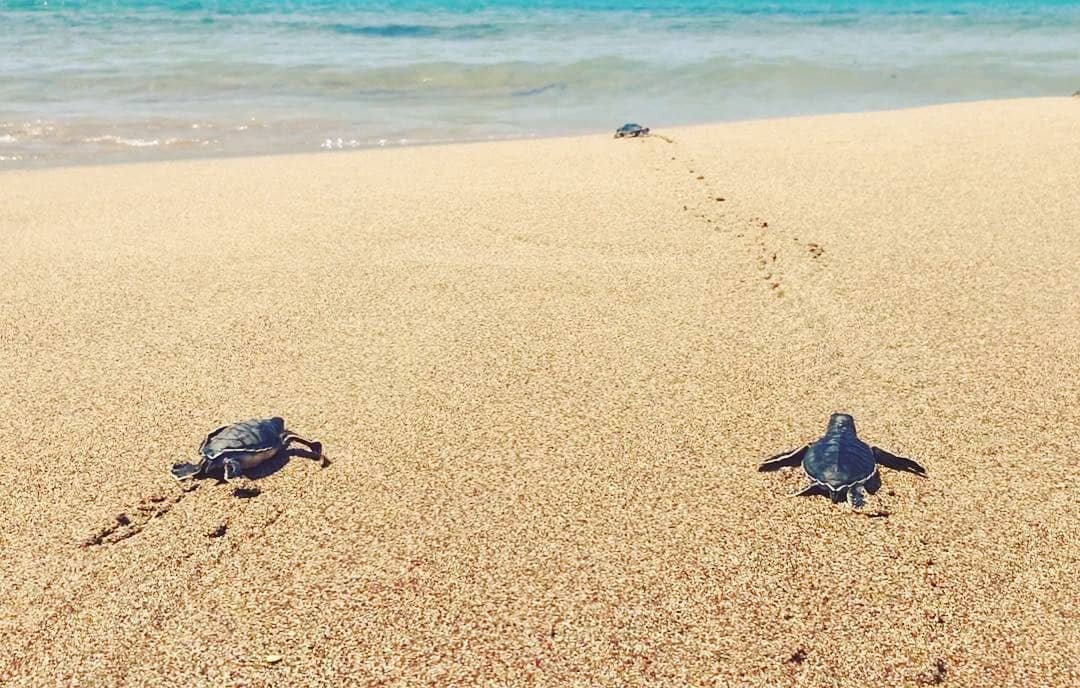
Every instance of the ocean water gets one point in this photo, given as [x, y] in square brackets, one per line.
[111, 80]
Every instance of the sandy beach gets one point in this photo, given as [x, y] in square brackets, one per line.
[544, 372]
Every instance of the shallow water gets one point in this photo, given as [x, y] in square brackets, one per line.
[94, 80]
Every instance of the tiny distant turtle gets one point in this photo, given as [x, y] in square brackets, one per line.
[840, 462]
[631, 130]
[232, 449]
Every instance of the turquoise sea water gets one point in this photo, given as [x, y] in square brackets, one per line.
[102, 80]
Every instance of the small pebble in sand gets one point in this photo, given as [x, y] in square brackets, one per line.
[933, 677]
[719, 199]
[272, 659]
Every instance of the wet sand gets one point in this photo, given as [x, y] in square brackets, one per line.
[544, 372]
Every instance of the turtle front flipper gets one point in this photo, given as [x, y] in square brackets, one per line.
[898, 463]
[185, 471]
[314, 448]
[789, 458]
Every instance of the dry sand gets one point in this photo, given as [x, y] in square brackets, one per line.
[544, 372]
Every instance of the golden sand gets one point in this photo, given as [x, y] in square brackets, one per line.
[544, 372]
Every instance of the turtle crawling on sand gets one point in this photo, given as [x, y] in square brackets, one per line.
[232, 449]
[631, 130]
[840, 462]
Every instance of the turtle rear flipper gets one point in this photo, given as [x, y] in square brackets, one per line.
[232, 469]
[856, 496]
[185, 471]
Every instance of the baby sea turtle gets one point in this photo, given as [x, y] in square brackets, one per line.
[840, 462]
[232, 449]
[631, 130]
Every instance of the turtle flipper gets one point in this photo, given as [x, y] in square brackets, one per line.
[789, 458]
[856, 496]
[314, 448]
[232, 469]
[897, 463]
[185, 471]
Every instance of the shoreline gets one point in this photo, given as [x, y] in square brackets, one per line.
[576, 134]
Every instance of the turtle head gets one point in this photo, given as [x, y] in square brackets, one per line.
[842, 422]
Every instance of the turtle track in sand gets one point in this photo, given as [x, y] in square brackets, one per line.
[764, 242]
[130, 523]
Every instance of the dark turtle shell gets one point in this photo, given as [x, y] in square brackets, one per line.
[254, 435]
[840, 459]
[630, 129]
